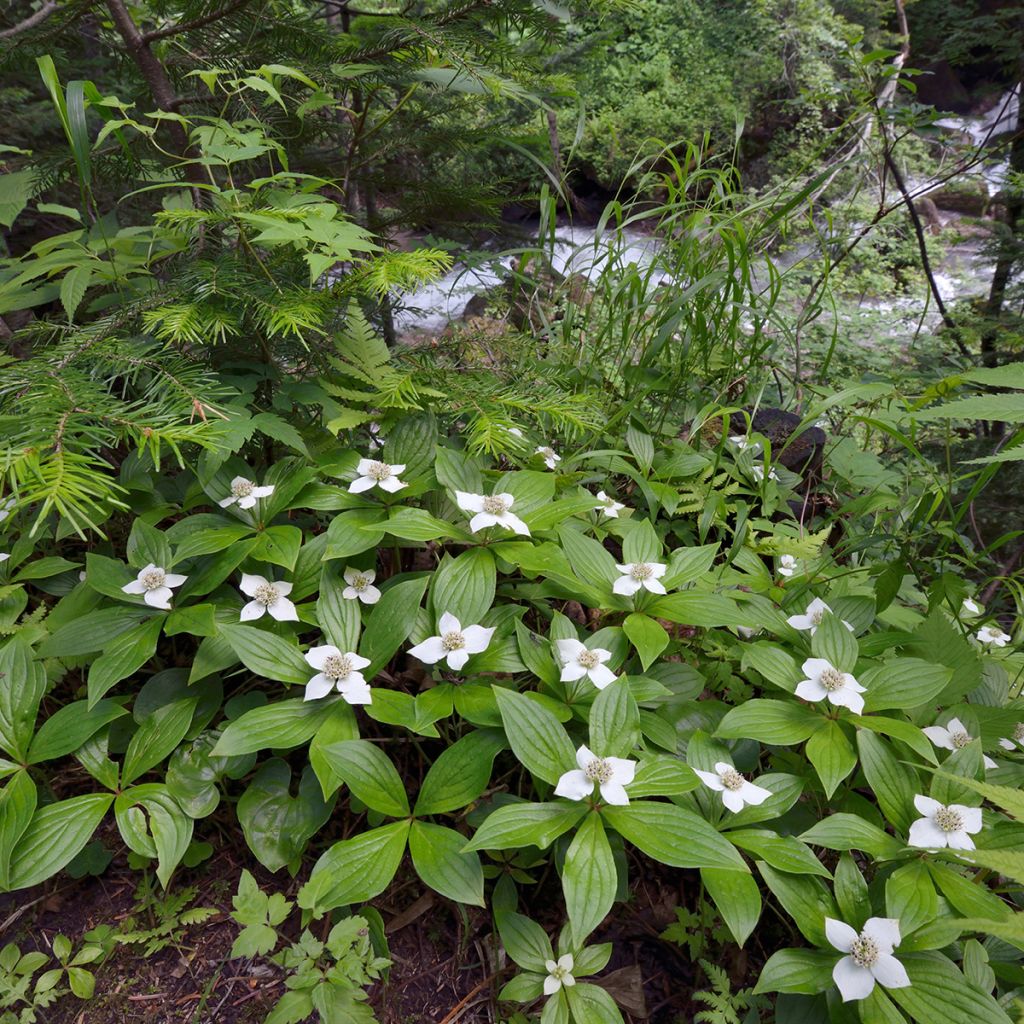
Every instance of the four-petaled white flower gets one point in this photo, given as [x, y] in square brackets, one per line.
[869, 957]
[811, 619]
[559, 974]
[578, 661]
[787, 565]
[758, 472]
[970, 607]
[1018, 738]
[267, 597]
[491, 510]
[550, 456]
[735, 789]
[609, 506]
[610, 774]
[949, 825]
[454, 643]
[741, 443]
[640, 574]
[953, 736]
[993, 635]
[245, 492]
[824, 680]
[337, 670]
[374, 473]
[154, 584]
[360, 585]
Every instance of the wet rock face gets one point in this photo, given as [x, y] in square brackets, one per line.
[799, 452]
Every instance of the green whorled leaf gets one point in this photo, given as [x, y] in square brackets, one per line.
[278, 545]
[55, 835]
[460, 774]
[662, 775]
[108, 576]
[967, 897]
[266, 654]
[211, 572]
[903, 683]
[464, 586]
[369, 774]
[551, 516]
[647, 636]
[339, 726]
[391, 621]
[687, 565]
[779, 722]
[288, 723]
[353, 532]
[588, 558]
[126, 654]
[90, 632]
[531, 489]
[737, 897]
[458, 471]
[419, 524]
[396, 708]
[832, 755]
[524, 941]
[851, 832]
[640, 541]
[835, 643]
[339, 617]
[440, 860]
[784, 853]
[589, 877]
[535, 652]
[193, 772]
[898, 729]
[151, 823]
[614, 721]
[515, 825]
[936, 642]
[22, 685]
[938, 991]
[804, 898]
[591, 1003]
[44, 568]
[213, 655]
[785, 790]
[411, 443]
[147, 546]
[888, 778]
[277, 826]
[17, 805]
[673, 836]
[156, 737]
[211, 540]
[776, 665]
[806, 971]
[193, 619]
[699, 608]
[851, 891]
[535, 735]
[910, 896]
[355, 870]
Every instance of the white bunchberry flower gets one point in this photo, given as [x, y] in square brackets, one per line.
[578, 661]
[154, 584]
[360, 585]
[4, 556]
[825, 681]
[337, 670]
[454, 643]
[943, 825]
[609, 506]
[953, 736]
[1018, 738]
[610, 774]
[869, 957]
[742, 443]
[640, 574]
[811, 619]
[559, 974]
[993, 636]
[735, 789]
[373, 473]
[787, 565]
[550, 456]
[970, 607]
[491, 510]
[267, 597]
[758, 472]
[245, 492]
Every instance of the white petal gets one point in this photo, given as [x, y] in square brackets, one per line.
[811, 689]
[253, 610]
[159, 598]
[481, 521]
[568, 981]
[926, 805]
[971, 817]
[813, 667]
[319, 686]
[624, 569]
[458, 659]
[430, 651]
[840, 934]
[888, 971]
[250, 583]
[391, 484]
[817, 606]
[655, 586]
[316, 657]
[229, 500]
[574, 785]
[657, 569]
[584, 755]
[623, 770]
[247, 502]
[800, 622]
[710, 779]
[360, 484]
[263, 492]
[988, 762]
[1007, 744]
[885, 931]
[135, 587]
[847, 698]
[357, 660]
[351, 575]
[754, 794]
[363, 466]
[174, 579]
[722, 767]
[551, 985]
[601, 676]
[566, 962]
[939, 736]
[852, 981]
[572, 671]
[602, 654]
[732, 799]
[955, 725]
[626, 585]
[514, 523]
[959, 841]
[283, 587]
[350, 593]
[369, 595]
[613, 793]
[448, 623]
[283, 610]
[550, 965]
[355, 691]
[569, 649]
[469, 502]
[478, 638]
[926, 835]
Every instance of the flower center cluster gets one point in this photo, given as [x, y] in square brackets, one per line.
[641, 571]
[337, 666]
[494, 505]
[599, 770]
[732, 779]
[453, 641]
[588, 659]
[817, 615]
[154, 579]
[1018, 732]
[959, 739]
[831, 679]
[949, 820]
[266, 594]
[548, 453]
[359, 583]
[864, 951]
[378, 471]
[561, 973]
[242, 488]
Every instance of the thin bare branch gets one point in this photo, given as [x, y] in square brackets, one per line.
[31, 21]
